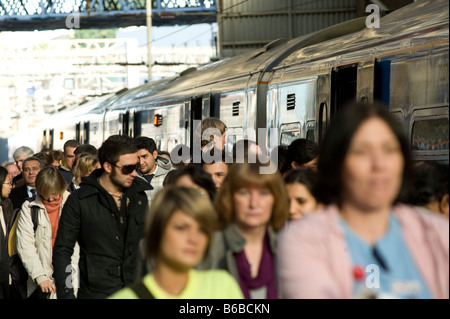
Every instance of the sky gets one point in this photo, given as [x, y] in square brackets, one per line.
[193, 35]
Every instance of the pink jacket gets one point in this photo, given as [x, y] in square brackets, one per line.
[314, 262]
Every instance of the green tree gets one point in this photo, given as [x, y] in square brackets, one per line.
[95, 33]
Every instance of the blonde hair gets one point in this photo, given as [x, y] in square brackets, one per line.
[166, 203]
[248, 175]
[50, 181]
[211, 122]
[83, 165]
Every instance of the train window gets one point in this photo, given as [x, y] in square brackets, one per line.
[310, 135]
[231, 140]
[430, 134]
[290, 101]
[232, 135]
[289, 132]
[288, 137]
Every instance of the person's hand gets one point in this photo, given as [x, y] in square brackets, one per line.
[47, 286]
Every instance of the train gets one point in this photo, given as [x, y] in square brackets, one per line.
[290, 89]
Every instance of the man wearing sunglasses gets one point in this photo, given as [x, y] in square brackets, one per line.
[106, 216]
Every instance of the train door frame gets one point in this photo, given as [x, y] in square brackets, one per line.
[78, 132]
[365, 81]
[51, 135]
[86, 131]
[44, 143]
[322, 104]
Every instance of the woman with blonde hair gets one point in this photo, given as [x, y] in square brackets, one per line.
[35, 245]
[178, 233]
[212, 133]
[83, 165]
[252, 207]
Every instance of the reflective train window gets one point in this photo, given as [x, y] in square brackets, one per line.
[289, 132]
[232, 135]
[310, 135]
[430, 134]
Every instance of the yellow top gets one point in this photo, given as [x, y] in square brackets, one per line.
[202, 284]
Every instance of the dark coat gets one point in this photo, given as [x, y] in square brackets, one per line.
[108, 246]
[4, 258]
[18, 196]
[6, 211]
[66, 173]
[228, 242]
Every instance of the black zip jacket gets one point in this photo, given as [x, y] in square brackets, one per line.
[108, 238]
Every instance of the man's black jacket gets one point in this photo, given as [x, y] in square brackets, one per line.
[108, 238]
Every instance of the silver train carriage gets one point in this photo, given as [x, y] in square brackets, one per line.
[292, 88]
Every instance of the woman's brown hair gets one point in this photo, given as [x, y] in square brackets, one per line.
[50, 181]
[169, 200]
[249, 175]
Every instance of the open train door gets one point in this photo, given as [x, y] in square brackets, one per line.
[343, 86]
[365, 81]
[339, 86]
[195, 117]
[137, 124]
[125, 123]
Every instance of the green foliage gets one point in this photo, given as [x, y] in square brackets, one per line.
[95, 34]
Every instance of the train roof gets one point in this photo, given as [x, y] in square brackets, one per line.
[242, 65]
[410, 24]
[77, 110]
[421, 17]
[145, 90]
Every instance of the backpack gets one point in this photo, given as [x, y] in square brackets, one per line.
[16, 268]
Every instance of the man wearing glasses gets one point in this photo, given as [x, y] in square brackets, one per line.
[106, 216]
[30, 168]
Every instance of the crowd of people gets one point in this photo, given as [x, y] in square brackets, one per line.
[353, 218]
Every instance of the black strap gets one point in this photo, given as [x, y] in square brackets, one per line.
[34, 216]
[141, 291]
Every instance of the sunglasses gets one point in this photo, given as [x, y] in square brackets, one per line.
[128, 169]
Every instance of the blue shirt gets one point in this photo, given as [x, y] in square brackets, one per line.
[389, 269]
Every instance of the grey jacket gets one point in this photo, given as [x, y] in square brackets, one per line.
[225, 244]
[164, 166]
